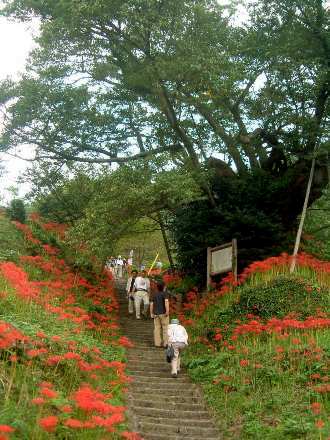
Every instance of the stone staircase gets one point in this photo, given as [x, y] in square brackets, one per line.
[160, 407]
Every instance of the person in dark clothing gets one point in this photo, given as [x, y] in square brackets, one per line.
[130, 291]
[160, 311]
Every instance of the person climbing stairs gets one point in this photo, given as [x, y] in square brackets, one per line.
[160, 407]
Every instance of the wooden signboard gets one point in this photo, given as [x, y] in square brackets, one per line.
[221, 259]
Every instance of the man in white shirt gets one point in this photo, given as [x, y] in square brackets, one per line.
[178, 338]
[142, 291]
[130, 291]
[119, 266]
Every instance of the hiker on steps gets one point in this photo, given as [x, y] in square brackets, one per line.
[178, 338]
[142, 292]
[130, 291]
[159, 311]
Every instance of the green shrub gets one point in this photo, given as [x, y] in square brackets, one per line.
[16, 210]
[282, 296]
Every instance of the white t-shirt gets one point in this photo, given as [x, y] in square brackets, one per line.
[142, 284]
[177, 333]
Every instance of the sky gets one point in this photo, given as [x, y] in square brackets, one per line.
[16, 41]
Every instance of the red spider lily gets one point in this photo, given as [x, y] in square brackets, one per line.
[18, 279]
[125, 342]
[319, 424]
[36, 352]
[48, 423]
[45, 384]
[90, 400]
[244, 362]
[27, 232]
[67, 409]
[108, 422]
[316, 407]
[38, 401]
[54, 360]
[74, 423]
[9, 336]
[6, 428]
[51, 394]
[296, 341]
[322, 389]
[71, 355]
[131, 436]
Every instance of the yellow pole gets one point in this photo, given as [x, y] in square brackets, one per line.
[154, 262]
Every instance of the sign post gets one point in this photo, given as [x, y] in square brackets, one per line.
[221, 259]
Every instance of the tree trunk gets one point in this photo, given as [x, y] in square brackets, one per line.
[166, 243]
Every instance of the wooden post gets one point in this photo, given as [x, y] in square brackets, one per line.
[208, 269]
[302, 218]
[234, 262]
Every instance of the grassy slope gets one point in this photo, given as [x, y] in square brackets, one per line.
[12, 243]
[20, 379]
[272, 385]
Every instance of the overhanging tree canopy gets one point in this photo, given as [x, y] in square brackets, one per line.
[117, 81]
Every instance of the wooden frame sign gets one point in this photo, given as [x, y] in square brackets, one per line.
[221, 259]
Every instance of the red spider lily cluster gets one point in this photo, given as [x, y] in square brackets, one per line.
[253, 348]
[197, 305]
[284, 260]
[58, 229]
[60, 292]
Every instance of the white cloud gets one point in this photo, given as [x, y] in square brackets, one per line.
[16, 42]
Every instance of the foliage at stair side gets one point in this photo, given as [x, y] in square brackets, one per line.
[61, 357]
[261, 353]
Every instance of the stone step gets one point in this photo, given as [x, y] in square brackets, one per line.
[159, 380]
[153, 365]
[176, 427]
[145, 353]
[156, 376]
[152, 370]
[175, 437]
[144, 350]
[156, 361]
[169, 404]
[143, 342]
[173, 391]
[147, 361]
[162, 408]
[163, 413]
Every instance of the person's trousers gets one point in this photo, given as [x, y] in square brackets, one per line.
[160, 329]
[130, 304]
[175, 363]
[141, 296]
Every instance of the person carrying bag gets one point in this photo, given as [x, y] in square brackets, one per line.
[178, 340]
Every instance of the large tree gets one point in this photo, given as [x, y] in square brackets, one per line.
[171, 76]
[174, 83]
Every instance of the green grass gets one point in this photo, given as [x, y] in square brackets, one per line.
[20, 378]
[12, 243]
[261, 386]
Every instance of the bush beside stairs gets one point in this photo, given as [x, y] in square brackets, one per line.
[160, 407]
